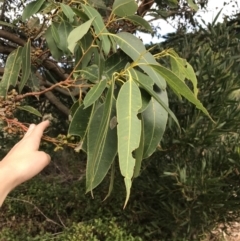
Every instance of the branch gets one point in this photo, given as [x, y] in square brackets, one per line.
[6, 49]
[12, 37]
[47, 63]
[52, 66]
[55, 101]
[144, 7]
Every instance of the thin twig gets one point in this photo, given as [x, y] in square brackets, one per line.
[30, 203]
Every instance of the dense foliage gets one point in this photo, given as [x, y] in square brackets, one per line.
[116, 103]
[185, 190]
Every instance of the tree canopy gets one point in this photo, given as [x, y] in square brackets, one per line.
[84, 58]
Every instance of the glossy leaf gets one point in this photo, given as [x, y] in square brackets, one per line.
[64, 30]
[180, 87]
[135, 49]
[145, 85]
[139, 21]
[26, 64]
[124, 8]
[31, 9]
[11, 71]
[99, 27]
[128, 130]
[30, 109]
[102, 142]
[154, 120]
[77, 33]
[68, 12]
[94, 93]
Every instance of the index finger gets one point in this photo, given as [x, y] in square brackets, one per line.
[37, 132]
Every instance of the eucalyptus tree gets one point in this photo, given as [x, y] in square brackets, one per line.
[116, 89]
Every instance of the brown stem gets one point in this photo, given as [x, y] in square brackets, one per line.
[12, 37]
[55, 101]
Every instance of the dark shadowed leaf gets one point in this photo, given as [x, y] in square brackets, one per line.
[154, 120]
[26, 64]
[102, 142]
[139, 21]
[64, 30]
[55, 51]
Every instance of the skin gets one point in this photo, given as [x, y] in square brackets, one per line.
[24, 160]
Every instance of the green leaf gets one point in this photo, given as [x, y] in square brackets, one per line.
[33, 81]
[54, 32]
[30, 109]
[77, 33]
[115, 63]
[192, 5]
[154, 120]
[47, 7]
[183, 69]
[139, 155]
[80, 119]
[99, 27]
[135, 49]
[11, 71]
[139, 21]
[64, 30]
[98, 4]
[90, 73]
[180, 87]
[145, 100]
[142, 82]
[124, 8]
[6, 24]
[68, 12]
[111, 180]
[31, 9]
[128, 130]
[80, 14]
[55, 51]
[84, 52]
[94, 93]
[26, 64]
[102, 142]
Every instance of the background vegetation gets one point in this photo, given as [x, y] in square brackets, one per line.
[185, 190]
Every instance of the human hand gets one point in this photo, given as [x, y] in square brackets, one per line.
[24, 160]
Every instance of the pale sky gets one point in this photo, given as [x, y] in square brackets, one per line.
[214, 6]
